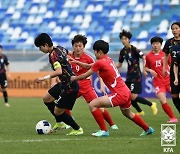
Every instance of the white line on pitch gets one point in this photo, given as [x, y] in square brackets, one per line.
[73, 139]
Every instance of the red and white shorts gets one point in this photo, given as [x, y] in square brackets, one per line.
[88, 95]
[162, 88]
[121, 99]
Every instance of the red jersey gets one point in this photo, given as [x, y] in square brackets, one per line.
[110, 75]
[154, 61]
[78, 70]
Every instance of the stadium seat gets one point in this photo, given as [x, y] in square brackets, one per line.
[174, 2]
[139, 8]
[143, 34]
[163, 26]
[137, 17]
[132, 2]
[147, 7]
[24, 19]
[146, 17]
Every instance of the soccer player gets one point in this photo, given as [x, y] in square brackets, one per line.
[60, 125]
[134, 77]
[4, 68]
[154, 64]
[120, 94]
[172, 46]
[63, 95]
[85, 86]
[177, 69]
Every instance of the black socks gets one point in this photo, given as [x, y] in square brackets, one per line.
[136, 106]
[143, 101]
[5, 95]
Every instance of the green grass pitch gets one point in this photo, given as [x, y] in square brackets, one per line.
[17, 131]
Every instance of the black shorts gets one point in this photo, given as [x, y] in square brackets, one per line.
[64, 99]
[3, 80]
[174, 89]
[135, 87]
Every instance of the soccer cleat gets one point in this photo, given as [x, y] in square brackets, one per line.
[101, 133]
[173, 120]
[6, 104]
[148, 132]
[142, 113]
[60, 125]
[76, 132]
[115, 127]
[67, 126]
[154, 108]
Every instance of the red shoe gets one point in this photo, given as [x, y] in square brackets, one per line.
[173, 120]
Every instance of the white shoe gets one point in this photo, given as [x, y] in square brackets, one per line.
[115, 127]
[101, 133]
[6, 104]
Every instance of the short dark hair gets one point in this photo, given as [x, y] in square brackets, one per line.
[175, 23]
[101, 45]
[156, 39]
[1, 46]
[42, 39]
[79, 38]
[126, 34]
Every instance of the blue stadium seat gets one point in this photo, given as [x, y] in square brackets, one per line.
[97, 19]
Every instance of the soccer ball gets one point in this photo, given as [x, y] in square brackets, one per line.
[43, 127]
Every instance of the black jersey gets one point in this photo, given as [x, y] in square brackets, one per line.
[3, 62]
[132, 55]
[177, 62]
[58, 56]
[177, 59]
[171, 47]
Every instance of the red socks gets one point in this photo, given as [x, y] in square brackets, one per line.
[107, 117]
[140, 122]
[167, 109]
[98, 116]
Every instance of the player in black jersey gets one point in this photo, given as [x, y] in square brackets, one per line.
[62, 95]
[177, 70]
[172, 47]
[134, 77]
[4, 68]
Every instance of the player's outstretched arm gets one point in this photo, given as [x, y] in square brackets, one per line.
[53, 74]
[84, 65]
[82, 76]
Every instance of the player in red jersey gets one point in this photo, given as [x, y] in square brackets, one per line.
[85, 86]
[120, 94]
[154, 65]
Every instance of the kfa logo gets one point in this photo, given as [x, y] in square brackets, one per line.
[168, 136]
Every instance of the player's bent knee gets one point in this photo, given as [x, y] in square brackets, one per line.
[48, 98]
[59, 111]
[91, 107]
[128, 114]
